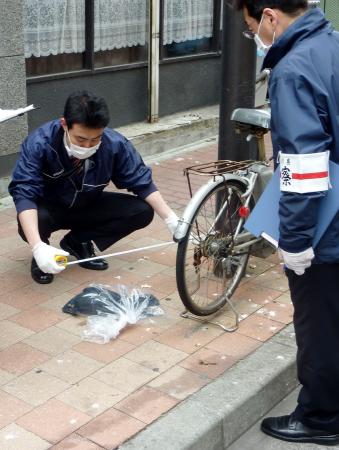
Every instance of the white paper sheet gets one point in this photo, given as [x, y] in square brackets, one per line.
[6, 114]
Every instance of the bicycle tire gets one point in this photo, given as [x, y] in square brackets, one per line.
[202, 252]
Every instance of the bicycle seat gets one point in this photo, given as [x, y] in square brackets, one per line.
[256, 117]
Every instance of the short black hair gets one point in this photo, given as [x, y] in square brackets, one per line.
[85, 108]
[255, 7]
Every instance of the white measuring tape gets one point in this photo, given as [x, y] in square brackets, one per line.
[62, 260]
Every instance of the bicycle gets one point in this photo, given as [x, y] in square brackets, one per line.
[213, 246]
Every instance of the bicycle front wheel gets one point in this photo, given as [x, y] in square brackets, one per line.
[207, 271]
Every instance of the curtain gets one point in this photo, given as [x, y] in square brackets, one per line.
[53, 27]
[120, 23]
[186, 20]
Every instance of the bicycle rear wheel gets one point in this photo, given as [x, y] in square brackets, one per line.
[206, 271]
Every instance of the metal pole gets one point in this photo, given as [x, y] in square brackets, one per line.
[237, 85]
[89, 35]
[153, 61]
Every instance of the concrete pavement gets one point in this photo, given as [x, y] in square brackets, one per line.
[60, 392]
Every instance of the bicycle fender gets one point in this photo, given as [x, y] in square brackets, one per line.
[186, 219]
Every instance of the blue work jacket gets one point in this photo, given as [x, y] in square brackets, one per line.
[44, 170]
[304, 95]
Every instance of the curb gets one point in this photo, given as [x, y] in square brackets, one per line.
[182, 134]
[222, 411]
[177, 130]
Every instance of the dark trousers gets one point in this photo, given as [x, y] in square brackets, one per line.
[109, 219]
[315, 296]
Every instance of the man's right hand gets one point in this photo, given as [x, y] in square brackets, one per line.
[44, 256]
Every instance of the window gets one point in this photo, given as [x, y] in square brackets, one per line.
[71, 35]
[121, 31]
[54, 35]
[58, 34]
[189, 27]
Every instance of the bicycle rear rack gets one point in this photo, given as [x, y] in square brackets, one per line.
[215, 168]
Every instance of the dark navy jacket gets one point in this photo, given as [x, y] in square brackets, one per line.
[44, 170]
[304, 95]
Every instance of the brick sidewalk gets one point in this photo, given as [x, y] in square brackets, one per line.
[60, 392]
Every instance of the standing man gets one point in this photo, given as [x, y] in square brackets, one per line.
[59, 181]
[302, 50]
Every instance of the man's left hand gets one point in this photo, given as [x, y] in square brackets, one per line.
[298, 262]
[172, 222]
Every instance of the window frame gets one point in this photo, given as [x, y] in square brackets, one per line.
[89, 54]
[216, 40]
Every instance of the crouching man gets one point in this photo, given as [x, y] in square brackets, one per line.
[59, 183]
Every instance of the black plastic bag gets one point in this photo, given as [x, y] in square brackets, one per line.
[111, 310]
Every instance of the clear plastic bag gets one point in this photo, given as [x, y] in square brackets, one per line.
[101, 329]
[110, 309]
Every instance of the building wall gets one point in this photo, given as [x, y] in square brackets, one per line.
[189, 84]
[332, 11]
[12, 82]
[184, 85]
[125, 92]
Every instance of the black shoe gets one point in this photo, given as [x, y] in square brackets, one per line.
[287, 428]
[83, 250]
[39, 276]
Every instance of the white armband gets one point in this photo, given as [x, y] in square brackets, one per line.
[304, 173]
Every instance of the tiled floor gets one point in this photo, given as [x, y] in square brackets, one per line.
[58, 391]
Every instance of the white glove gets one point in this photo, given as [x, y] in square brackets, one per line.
[172, 222]
[298, 262]
[44, 256]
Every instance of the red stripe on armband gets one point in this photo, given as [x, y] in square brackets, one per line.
[309, 176]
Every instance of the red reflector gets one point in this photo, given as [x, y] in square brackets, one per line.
[244, 211]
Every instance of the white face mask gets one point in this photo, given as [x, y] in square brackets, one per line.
[79, 152]
[262, 48]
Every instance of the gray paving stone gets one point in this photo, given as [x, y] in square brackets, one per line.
[217, 415]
